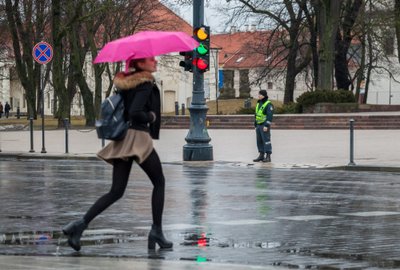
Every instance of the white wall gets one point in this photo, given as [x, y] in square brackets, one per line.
[4, 83]
[381, 88]
[382, 85]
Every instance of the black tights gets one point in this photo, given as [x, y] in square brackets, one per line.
[121, 169]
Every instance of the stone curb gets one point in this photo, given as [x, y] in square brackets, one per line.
[18, 155]
[369, 168]
[366, 168]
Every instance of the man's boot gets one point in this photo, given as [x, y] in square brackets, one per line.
[267, 158]
[259, 158]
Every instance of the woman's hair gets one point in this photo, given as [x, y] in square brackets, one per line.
[133, 64]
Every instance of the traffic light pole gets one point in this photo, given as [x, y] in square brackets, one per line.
[198, 147]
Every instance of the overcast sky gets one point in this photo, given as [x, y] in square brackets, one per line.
[211, 16]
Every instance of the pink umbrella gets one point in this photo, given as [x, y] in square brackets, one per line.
[145, 44]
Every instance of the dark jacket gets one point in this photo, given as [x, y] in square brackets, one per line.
[7, 107]
[142, 101]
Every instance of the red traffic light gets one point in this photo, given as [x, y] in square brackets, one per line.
[200, 63]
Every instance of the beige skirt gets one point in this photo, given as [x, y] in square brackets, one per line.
[137, 144]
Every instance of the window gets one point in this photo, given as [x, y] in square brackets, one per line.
[240, 59]
[388, 45]
[270, 85]
[48, 100]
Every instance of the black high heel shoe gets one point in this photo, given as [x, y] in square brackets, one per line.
[74, 232]
[156, 236]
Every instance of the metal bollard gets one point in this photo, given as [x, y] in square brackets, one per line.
[183, 108]
[66, 123]
[351, 163]
[247, 103]
[31, 133]
[176, 108]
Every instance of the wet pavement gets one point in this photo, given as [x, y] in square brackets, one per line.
[215, 213]
[291, 148]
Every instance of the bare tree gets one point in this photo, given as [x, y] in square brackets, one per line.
[288, 20]
[327, 12]
[381, 39]
[86, 26]
[26, 25]
[5, 48]
[344, 37]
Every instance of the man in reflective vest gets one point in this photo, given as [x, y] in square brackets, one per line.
[263, 118]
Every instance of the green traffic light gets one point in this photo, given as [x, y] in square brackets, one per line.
[202, 50]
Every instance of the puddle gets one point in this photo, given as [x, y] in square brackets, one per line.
[57, 238]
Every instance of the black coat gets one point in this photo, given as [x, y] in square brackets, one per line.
[142, 101]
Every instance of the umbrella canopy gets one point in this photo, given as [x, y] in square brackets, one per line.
[145, 44]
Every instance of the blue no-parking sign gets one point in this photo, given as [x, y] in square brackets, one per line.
[42, 52]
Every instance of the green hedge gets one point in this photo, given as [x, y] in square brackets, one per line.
[308, 99]
[287, 108]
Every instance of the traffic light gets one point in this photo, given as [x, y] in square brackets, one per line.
[202, 53]
[187, 62]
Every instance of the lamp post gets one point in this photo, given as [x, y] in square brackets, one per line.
[198, 147]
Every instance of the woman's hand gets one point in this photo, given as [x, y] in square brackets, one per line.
[265, 129]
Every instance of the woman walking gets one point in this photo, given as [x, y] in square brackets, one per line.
[142, 103]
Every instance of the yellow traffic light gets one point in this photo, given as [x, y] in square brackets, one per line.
[201, 33]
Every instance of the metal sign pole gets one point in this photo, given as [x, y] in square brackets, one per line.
[42, 53]
[351, 163]
[42, 107]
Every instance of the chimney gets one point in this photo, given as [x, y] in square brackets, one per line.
[233, 29]
[253, 28]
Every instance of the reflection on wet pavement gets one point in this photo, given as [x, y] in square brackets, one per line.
[244, 215]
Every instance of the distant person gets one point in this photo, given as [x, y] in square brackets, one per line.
[7, 109]
[142, 102]
[263, 118]
[1, 109]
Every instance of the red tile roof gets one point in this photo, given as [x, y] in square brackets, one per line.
[243, 49]
[249, 50]
[162, 18]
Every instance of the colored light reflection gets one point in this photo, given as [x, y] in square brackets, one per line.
[201, 259]
[202, 241]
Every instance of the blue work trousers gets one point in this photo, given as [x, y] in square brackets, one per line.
[263, 140]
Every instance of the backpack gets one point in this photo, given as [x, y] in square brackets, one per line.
[112, 124]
